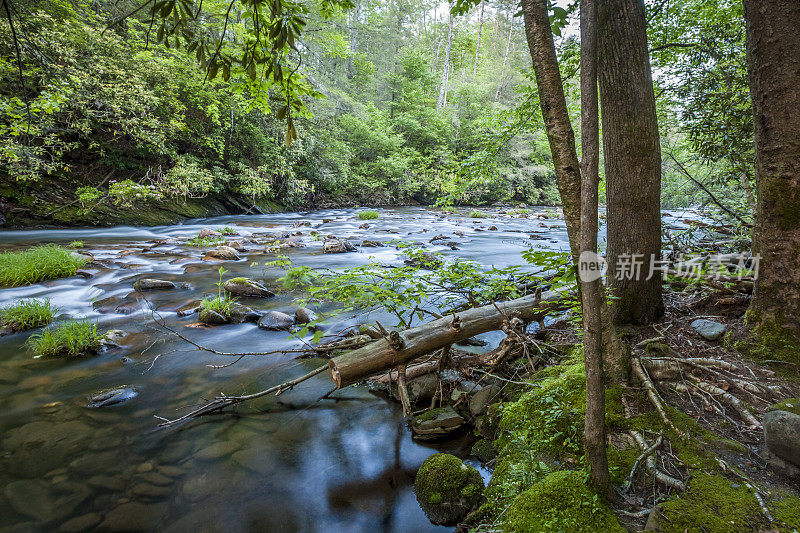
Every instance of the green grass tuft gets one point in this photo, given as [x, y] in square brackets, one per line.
[368, 215]
[27, 314]
[70, 339]
[478, 214]
[227, 230]
[76, 244]
[37, 264]
[205, 241]
[219, 304]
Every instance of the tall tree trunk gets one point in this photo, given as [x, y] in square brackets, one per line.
[353, 42]
[478, 46]
[632, 161]
[773, 47]
[446, 70]
[554, 112]
[505, 56]
[592, 298]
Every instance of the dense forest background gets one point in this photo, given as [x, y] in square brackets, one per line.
[403, 104]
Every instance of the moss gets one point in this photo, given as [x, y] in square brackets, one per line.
[562, 501]
[239, 280]
[548, 419]
[446, 488]
[713, 504]
[792, 405]
[484, 450]
[620, 462]
[766, 339]
[786, 512]
[615, 410]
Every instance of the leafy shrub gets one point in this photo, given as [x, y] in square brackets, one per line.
[27, 314]
[37, 264]
[368, 215]
[70, 339]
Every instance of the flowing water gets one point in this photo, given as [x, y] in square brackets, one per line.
[286, 463]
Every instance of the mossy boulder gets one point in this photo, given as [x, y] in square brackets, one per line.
[484, 450]
[447, 489]
[213, 318]
[562, 501]
[247, 287]
[713, 504]
[153, 285]
[436, 423]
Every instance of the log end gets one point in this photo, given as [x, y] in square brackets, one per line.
[337, 379]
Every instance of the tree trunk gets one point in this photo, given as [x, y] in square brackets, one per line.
[632, 162]
[508, 49]
[773, 46]
[401, 347]
[592, 298]
[446, 71]
[554, 112]
[478, 46]
[353, 42]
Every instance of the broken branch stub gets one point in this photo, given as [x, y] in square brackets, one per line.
[407, 345]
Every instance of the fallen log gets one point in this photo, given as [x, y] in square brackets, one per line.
[401, 347]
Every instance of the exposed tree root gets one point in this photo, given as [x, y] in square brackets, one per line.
[728, 399]
[653, 395]
[661, 477]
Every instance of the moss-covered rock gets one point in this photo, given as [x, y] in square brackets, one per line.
[484, 450]
[562, 501]
[447, 489]
[792, 405]
[713, 504]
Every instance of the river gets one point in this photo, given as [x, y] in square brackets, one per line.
[302, 465]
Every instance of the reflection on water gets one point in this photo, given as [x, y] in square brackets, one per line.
[301, 465]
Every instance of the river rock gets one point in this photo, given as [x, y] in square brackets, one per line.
[436, 423]
[39, 447]
[134, 516]
[481, 400]
[153, 285]
[113, 337]
[365, 225]
[782, 435]
[212, 318]
[80, 523]
[189, 308]
[708, 329]
[208, 232]
[464, 388]
[447, 488]
[420, 389]
[241, 313]
[337, 246]
[304, 315]
[276, 321]
[247, 287]
[35, 499]
[223, 252]
[110, 397]
[371, 244]
[440, 237]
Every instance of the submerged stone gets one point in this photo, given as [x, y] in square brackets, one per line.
[110, 397]
[447, 489]
[241, 313]
[708, 329]
[189, 308]
[211, 317]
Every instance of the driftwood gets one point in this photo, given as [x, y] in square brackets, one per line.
[398, 348]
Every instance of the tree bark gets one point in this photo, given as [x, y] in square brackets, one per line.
[632, 161]
[505, 56]
[554, 112]
[478, 46]
[592, 297]
[773, 46]
[351, 73]
[446, 71]
[401, 347]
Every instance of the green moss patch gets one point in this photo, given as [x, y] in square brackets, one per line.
[786, 513]
[41, 263]
[792, 405]
[713, 504]
[447, 489]
[562, 501]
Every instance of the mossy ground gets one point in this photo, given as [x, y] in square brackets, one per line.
[562, 501]
[791, 404]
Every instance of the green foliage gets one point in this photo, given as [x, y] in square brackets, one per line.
[76, 244]
[368, 215]
[205, 241]
[227, 230]
[70, 339]
[477, 214]
[222, 302]
[27, 314]
[41, 263]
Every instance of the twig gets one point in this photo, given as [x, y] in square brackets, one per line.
[647, 452]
